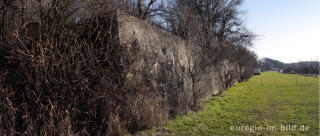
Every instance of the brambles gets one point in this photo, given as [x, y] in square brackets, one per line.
[62, 78]
[64, 71]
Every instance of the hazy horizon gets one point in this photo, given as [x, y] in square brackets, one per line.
[288, 29]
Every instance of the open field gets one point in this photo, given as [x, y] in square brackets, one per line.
[264, 105]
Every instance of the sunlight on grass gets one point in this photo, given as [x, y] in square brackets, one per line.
[271, 99]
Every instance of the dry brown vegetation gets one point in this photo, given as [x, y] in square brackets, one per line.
[59, 77]
[63, 70]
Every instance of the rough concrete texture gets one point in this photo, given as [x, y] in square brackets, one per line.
[163, 64]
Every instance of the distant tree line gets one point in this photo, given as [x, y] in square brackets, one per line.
[268, 64]
[304, 67]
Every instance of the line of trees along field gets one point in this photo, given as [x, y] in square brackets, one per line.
[302, 67]
[63, 73]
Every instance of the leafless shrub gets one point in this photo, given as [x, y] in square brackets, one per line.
[65, 72]
[218, 34]
[61, 77]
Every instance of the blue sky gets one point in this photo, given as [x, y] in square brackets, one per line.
[289, 30]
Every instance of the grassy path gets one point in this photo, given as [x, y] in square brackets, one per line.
[250, 108]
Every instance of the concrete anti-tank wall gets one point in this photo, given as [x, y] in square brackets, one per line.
[162, 62]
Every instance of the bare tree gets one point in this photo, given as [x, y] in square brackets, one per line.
[140, 8]
[215, 32]
[68, 68]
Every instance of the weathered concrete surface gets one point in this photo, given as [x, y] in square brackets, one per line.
[162, 62]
